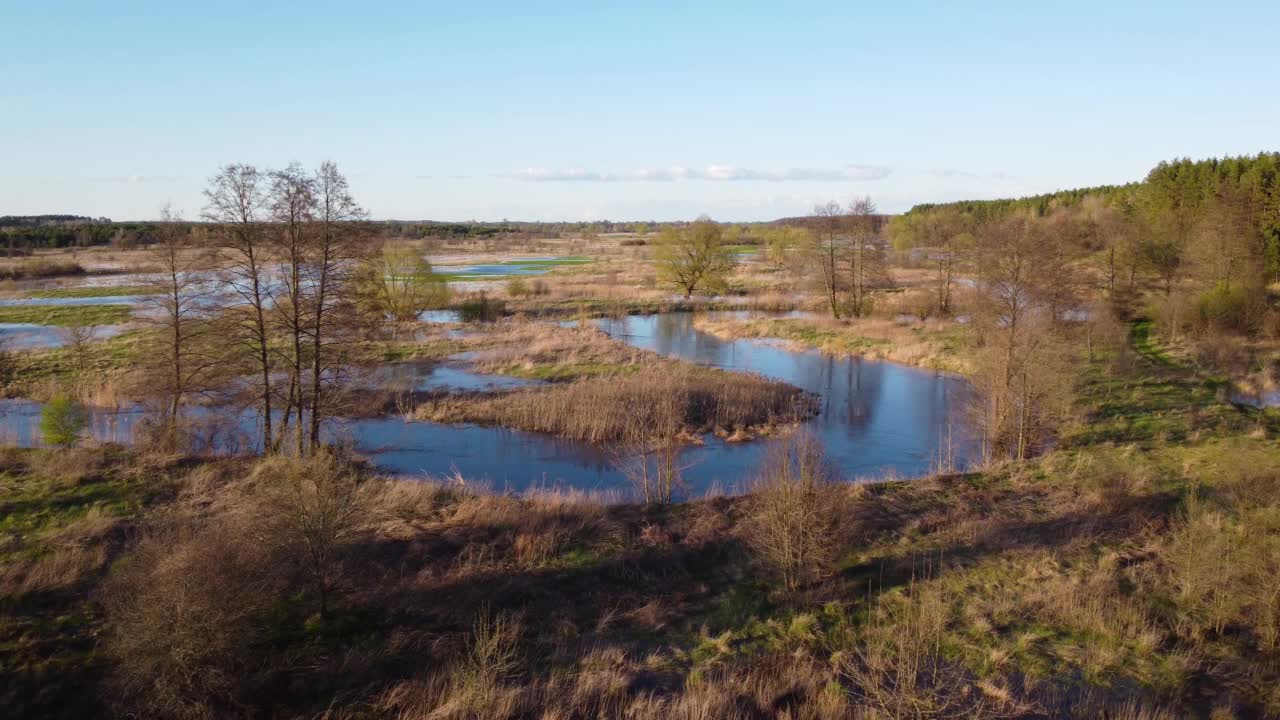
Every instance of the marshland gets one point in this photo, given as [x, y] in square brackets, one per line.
[978, 459]
[639, 361]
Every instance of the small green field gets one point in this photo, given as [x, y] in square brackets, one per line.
[88, 292]
[66, 315]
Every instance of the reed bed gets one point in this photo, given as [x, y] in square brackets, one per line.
[36, 268]
[662, 401]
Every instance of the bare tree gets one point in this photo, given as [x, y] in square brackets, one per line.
[950, 243]
[292, 204]
[183, 361]
[235, 201]
[824, 249]
[1023, 374]
[338, 245]
[78, 339]
[311, 510]
[866, 258]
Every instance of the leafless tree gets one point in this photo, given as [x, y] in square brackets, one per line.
[825, 248]
[339, 244]
[78, 339]
[292, 205]
[1023, 375]
[311, 510]
[183, 362]
[235, 202]
[865, 255]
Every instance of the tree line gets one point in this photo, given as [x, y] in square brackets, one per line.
[300, 280]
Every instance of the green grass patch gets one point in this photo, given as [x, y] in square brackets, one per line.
[432, 350]
[66, 315]
[557, 372]
[113, 353]
[92, 292]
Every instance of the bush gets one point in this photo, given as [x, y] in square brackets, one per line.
[481, 308]
[311, 511]
[184, 614]
[1231, 307]
[517, 287]
[63, 421]
[792, 516]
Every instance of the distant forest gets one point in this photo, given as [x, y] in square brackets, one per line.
[1216, 212]
[24, 233]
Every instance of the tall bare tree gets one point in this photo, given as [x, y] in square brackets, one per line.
[1024, 373]
[236, 200]
[184, 364]
[339, 243]
[825, 248]
[292, 204]
[865, 255]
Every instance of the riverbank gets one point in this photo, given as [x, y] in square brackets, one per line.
[932, 344]
[1127, 573]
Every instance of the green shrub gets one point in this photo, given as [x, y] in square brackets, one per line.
[1230, 307]
[481, 309]
[517, 287]
[63, 421]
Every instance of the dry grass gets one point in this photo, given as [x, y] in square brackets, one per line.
[663, 401]
[36, 268]
[933, 344]
[552, 352]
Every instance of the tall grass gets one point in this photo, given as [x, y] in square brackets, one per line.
[638, 406]
[34, 268]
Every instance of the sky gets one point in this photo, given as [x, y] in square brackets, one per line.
[625, 111]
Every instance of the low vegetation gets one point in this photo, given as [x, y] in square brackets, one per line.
[665, 400]
[38, 268]
[933, 344]
[93, 291]
[66, 315]
[1121, 573]
[1113, 552]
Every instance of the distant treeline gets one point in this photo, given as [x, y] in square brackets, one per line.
[1180, 198]
[21, 234]
[1201, 239]
[454, 230]
[39, 220]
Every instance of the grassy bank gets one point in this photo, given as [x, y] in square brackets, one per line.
[88, 292]
[39, 268]
[665, 400]
[1128, 573]
[930, 344]
[66, 315]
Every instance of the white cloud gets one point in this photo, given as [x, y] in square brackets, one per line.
[712, 173]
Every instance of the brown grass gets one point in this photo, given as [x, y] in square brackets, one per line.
[634, 406]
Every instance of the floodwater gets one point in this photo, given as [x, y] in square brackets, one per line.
[28, 336]
[877, 419]
[516, 266]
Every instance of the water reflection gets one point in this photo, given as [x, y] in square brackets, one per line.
[876, 418]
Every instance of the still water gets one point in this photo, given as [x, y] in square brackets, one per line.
[876, 419]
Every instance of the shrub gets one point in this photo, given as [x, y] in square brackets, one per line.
[1230, 307]
[182, 621]
[517, 287]
[481, 308]
[63, 421]
[310, 511]
[792, 517]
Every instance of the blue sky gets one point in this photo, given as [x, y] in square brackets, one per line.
[546, 111]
